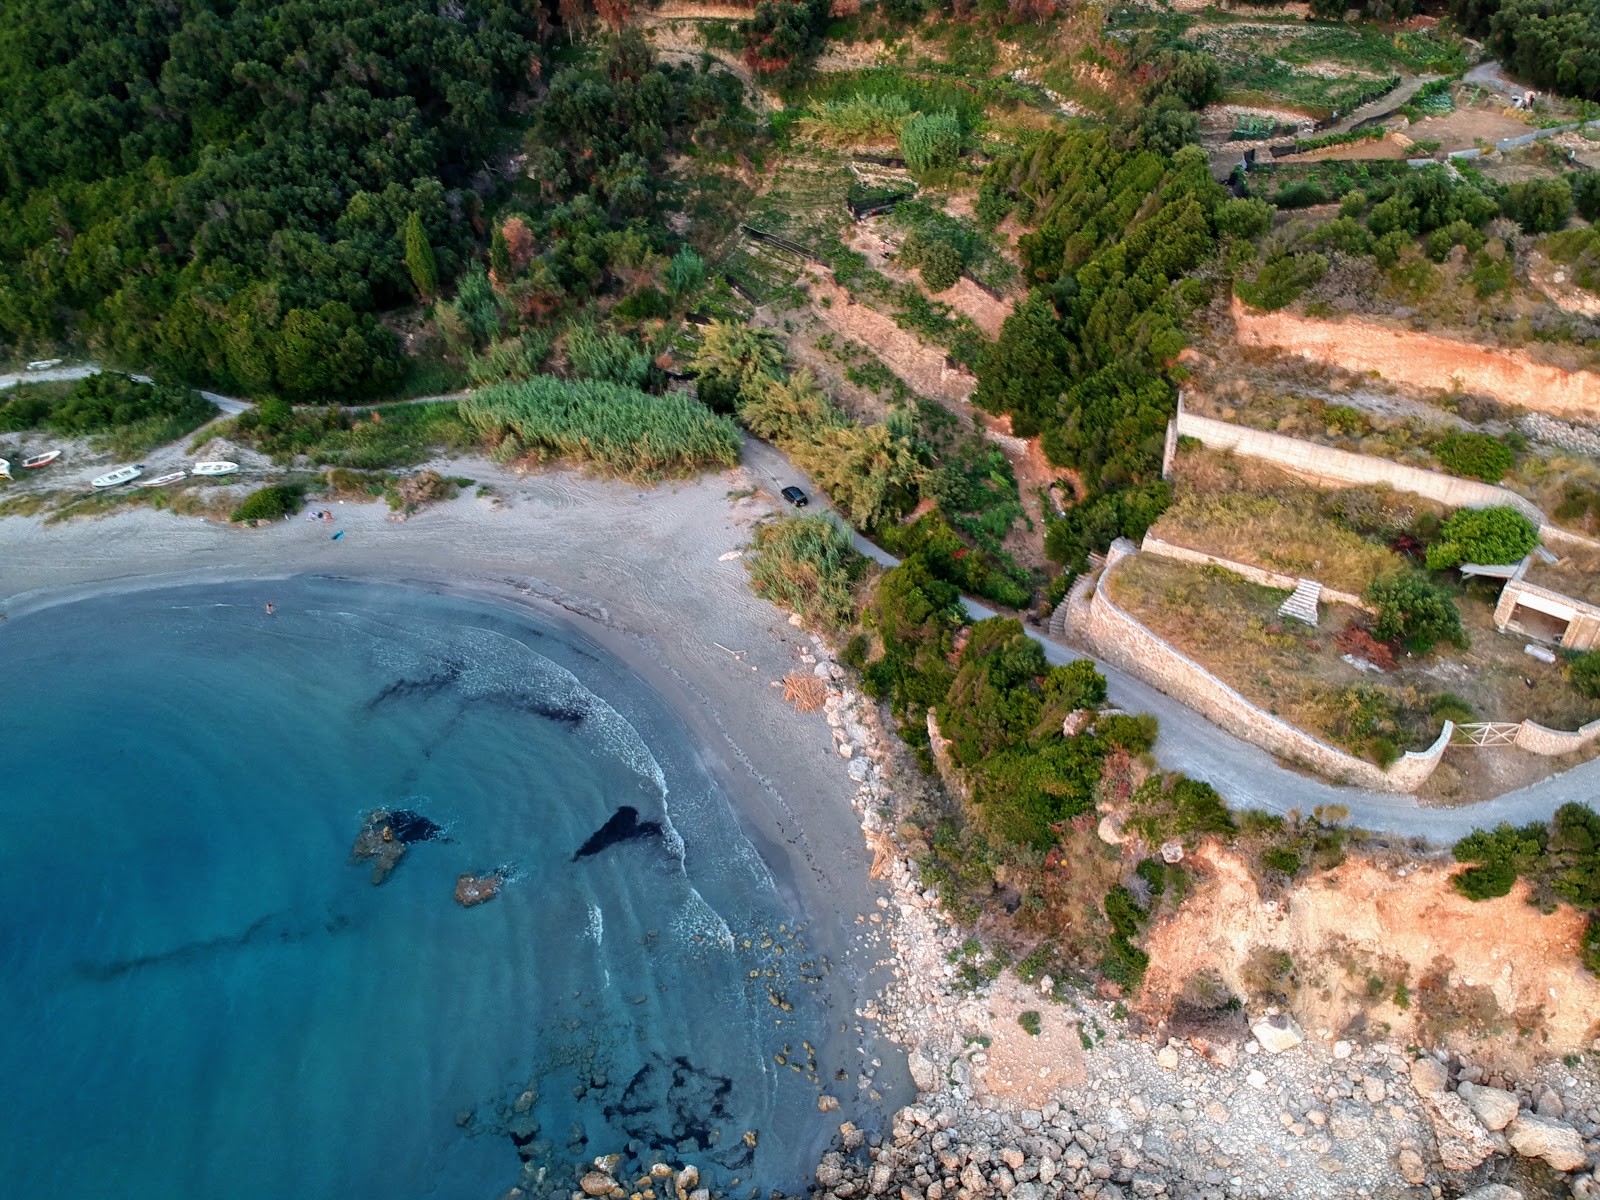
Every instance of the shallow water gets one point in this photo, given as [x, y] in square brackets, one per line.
[203, 996]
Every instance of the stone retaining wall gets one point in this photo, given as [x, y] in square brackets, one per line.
[1271, 579]
[1328, 465]
[1536, 739]
[1124, 641]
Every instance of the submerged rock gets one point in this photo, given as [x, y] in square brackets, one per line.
[378, 842]
[385, 835]
[622, 826]
[477, 889]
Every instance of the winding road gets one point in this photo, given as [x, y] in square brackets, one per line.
[1246, 775]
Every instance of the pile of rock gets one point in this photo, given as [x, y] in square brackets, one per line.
[1474, 1122]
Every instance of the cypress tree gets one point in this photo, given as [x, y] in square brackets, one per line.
[499, 257]
[419, 258]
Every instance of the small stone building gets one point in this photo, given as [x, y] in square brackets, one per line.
[1555, 600]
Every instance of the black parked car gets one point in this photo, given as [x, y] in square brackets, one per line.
[795, 496]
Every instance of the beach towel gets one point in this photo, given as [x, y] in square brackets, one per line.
[337, 536]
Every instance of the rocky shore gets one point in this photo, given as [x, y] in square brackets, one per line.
[1277, 1113]
[1100, 1106]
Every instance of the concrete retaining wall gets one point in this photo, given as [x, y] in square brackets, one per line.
[1124, 641]
[1271, 579]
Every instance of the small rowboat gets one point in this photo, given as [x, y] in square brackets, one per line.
[120, 475]
[215, 468]
[40, 460]
[163, 480]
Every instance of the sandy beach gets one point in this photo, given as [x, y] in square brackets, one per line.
[650, 575]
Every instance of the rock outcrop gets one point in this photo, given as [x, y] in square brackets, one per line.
[477, 889]
[1556, 1142]
[1494, 1107]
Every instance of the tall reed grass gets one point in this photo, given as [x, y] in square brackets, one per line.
[619, 429]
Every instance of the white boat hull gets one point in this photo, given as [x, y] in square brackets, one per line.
[215, 468]
[120, 476]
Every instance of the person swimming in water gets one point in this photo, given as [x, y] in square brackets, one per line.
[270, 608]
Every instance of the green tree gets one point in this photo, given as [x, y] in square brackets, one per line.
[1539, 205]
[1413, 611]
[941, 266]
[420, 261]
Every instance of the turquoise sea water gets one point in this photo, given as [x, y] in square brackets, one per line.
[201, 996]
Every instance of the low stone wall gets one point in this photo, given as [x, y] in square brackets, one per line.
[1536, 739]
[1425, 360]
[1127, 643]
[1271, 579]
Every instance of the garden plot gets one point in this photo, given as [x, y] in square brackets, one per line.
[1305, 676]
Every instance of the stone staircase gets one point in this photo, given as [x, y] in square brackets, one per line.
[1302, 602]
[1057, 625]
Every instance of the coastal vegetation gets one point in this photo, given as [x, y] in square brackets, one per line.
[118, 413]
[616, 428]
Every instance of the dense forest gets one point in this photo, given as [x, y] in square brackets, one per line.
[236, 193]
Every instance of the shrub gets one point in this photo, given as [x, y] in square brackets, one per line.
[1539, 205]
[1583, 672]
[1282, 858]
[1586, 194]
[1154, 872]
[807, 565]
[1475, 455]
[1482, 535]
[941, 266]
[929, 141]
[616, 427]
[1414, 611]
[606, 357]
[268, 504]
[1030, 1022]
[1497, 856]
[1591, 945]
[1281, 280]
[1245, 219]
[687, 272]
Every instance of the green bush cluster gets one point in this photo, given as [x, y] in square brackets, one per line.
[809, 566]
[1415, 612]
[1560, 861]
[976, 572]
[1475, 455]
[1482, 535]
[269, 504]
[126, 415]
[1583, 672]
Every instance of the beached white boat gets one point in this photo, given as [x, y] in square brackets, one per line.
[120, 475]
[40, 460]
[5, 469]
[163, 480]
[215, 468]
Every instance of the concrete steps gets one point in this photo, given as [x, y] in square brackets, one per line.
[1302, 602]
